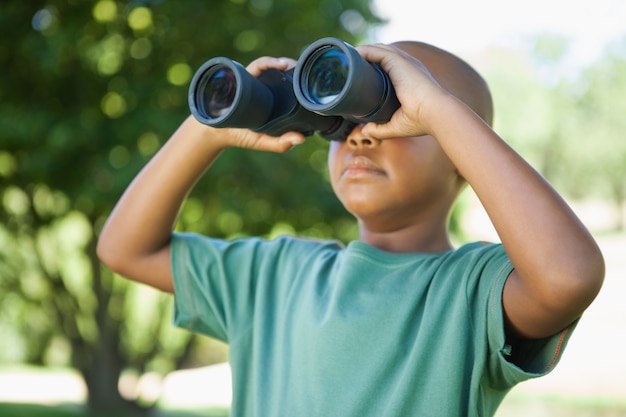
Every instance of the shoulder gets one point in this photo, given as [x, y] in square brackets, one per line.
[193, 244]
[485, 268]
[482, 254]
[305, 244]
[478, 249]
[479, 255]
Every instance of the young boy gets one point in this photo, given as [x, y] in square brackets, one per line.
[397, 323]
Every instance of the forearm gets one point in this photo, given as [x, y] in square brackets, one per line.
[552, 251]
[140, 226]
[135, 239]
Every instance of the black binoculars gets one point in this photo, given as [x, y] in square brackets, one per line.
[330, 90]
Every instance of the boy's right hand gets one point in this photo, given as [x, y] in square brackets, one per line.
[245, 138]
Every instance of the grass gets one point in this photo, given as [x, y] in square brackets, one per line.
[522, 405]
[36, 410]
[518, 406]
[73, 410]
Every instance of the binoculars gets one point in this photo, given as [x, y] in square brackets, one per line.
[330, 90]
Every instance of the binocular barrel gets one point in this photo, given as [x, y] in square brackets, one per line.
[332, 78]
[331, 89]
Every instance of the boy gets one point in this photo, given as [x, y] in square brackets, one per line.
[398, 323]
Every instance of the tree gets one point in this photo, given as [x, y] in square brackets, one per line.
[531, 101]
[602, 128]
[569, 123]
[89, 92]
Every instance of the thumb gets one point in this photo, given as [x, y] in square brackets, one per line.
[379, 131]
[399, 126]
[281, 144]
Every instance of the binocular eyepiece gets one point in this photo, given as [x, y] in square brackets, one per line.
[330, 90]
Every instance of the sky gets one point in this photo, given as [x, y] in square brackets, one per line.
[467, 26]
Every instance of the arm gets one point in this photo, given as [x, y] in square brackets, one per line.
[135, 241]
[558, 266]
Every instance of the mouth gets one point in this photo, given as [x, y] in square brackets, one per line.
[361, 167]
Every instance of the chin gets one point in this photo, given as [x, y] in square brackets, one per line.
[360, 208]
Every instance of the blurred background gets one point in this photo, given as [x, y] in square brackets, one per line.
[90, 91]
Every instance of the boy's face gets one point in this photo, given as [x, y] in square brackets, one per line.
[393, 183]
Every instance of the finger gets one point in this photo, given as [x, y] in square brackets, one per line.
[379, 131]
[281, 144]
[289, 61]
[398, 127]
[264, 63]
[389, 56]
[376, 53]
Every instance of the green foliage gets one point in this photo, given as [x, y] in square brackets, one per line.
[602, 128]
[90, 91]
[570, 125]
[35, 410]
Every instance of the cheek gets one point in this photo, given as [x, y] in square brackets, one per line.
[333, 158]
[422, 165]
[423, 153]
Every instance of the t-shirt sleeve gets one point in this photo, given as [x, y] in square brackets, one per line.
[531, 358]
[214, 283]
[222, 286]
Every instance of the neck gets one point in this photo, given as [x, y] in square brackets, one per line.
[431, 237]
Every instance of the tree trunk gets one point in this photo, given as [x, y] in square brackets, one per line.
[105, 363]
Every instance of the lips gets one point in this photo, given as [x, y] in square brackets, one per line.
[361, 166]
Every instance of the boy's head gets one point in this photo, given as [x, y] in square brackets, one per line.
[393, 184]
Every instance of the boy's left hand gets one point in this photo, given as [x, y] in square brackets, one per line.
[414, 87]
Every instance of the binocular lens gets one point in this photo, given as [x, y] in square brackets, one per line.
[219, 92]
[327, 77]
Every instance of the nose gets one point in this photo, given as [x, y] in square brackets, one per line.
[357, 139]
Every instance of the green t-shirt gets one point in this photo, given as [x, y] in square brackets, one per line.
[316, 329]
